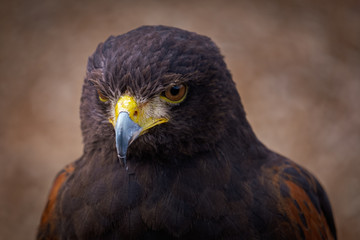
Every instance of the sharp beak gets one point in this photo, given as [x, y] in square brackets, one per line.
[130, 122]
[126, 131]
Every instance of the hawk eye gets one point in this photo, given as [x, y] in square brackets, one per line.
[175, 93]
[102, 97]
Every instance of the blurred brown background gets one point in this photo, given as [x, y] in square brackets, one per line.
[296, 64]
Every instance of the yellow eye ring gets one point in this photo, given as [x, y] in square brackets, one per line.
[175, 93]
[102, 97]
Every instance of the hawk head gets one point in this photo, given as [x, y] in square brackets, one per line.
[159, 91]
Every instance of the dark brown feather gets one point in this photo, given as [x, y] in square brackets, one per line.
[202, 175]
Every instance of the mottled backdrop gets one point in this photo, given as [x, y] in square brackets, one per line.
[296, 65]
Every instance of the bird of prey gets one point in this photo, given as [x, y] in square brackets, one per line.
[169, 153]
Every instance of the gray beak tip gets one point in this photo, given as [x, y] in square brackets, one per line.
[126, 131]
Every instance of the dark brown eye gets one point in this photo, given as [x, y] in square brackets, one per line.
[175, 93]
[102, 97]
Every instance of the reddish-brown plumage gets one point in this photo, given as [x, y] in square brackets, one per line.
[302, 211]
[47, 218]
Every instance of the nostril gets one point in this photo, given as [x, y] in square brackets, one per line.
[135, 113]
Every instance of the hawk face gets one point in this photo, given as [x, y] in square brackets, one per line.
[158, 91]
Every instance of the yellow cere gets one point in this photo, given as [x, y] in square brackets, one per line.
[128, 104]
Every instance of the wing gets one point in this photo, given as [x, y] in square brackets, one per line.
[46, 229]
[305, 203]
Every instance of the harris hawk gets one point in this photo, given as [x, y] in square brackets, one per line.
[169, 153]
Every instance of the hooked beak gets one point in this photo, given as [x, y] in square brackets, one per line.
[130, 122]
[126, 131]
